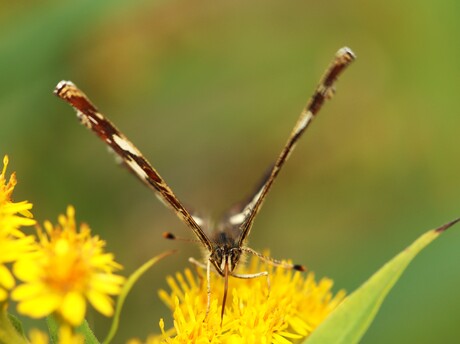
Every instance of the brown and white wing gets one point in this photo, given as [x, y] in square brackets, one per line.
[129, 154]
[324, 91]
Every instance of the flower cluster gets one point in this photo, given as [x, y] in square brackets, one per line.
[68, 268]
[61, 268]
[13, 242]
[286, 310]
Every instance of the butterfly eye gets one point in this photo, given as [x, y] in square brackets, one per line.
[234, 255]
[217, 255]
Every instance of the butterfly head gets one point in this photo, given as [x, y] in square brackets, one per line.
[225, 258]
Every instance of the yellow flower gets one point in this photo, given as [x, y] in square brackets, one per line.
[65, 335]
[13, 243]
[10, 219]
[289, 311]
[69, 267]
[11, 249]
[38, 337]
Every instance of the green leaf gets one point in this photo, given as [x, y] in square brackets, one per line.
[127, 288]
[53, 328]
[84, 329]
[17, 324]
[348, 323]
[10, 328]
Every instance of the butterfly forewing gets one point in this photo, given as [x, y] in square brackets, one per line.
[245, 217]
[130, 155]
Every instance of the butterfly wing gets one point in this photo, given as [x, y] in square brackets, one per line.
[324, 91]
[129, 154]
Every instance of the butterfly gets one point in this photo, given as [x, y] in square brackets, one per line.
[225, 244]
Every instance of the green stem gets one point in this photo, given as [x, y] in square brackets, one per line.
[8, 333]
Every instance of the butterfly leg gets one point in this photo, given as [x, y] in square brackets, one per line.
[256, 275]
[207, 266]
[208, 277]
[199, 267]
[197, 263]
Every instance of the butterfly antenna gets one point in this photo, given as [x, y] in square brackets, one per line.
[171, 236]
[273, 261]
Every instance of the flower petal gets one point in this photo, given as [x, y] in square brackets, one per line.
[6, 279]
[28, 291]
[40, 307]
[73, 308]
[107, 283]
[3, 294]
[27, 269]
[38, 337]
[101, 302]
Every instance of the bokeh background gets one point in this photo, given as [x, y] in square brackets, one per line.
[209, 91]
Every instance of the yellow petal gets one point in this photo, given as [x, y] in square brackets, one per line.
[6, 279]
[40, 307]
[73, 308]
[67, 336]
[101, 302]
[27, 291]
[134, 341]
[107, 283]
[38, 337]
[27, 270]
[3, 294]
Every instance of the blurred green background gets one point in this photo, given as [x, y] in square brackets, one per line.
[209, 91]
